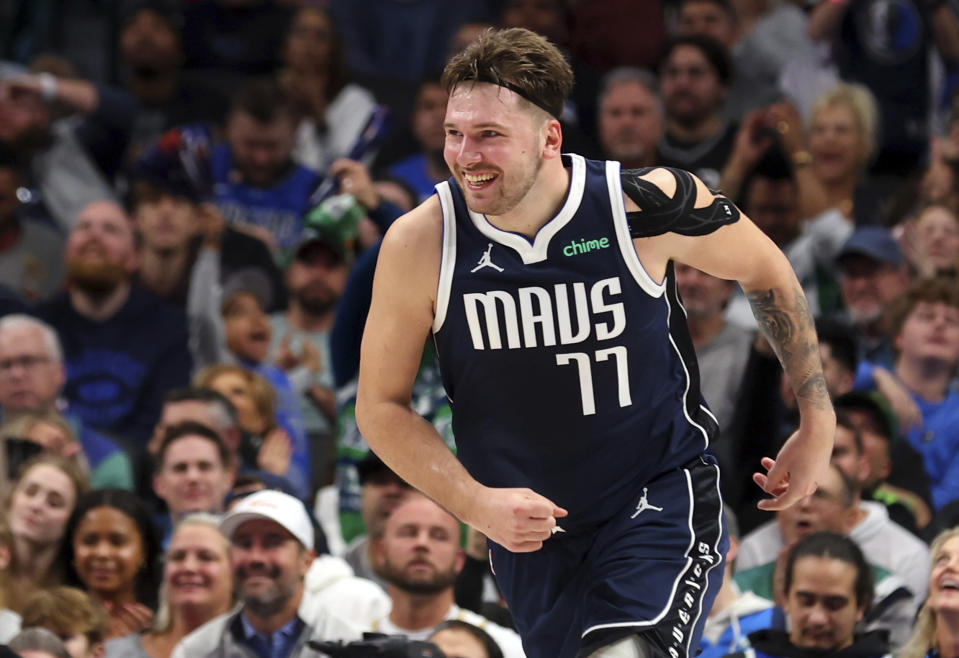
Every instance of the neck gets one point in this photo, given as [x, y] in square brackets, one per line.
[947, 634]
[927, 378]
[103, 308]
[540, 204]
[703, 330]
[189, 618]
[119, 599]
[297, 317]
[34, 561]
[415, 612]
[274, 622]
[154, 89]
[726, 596]
[161, 271]
[696, 132]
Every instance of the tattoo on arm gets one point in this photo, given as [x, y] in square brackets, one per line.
[790, 330]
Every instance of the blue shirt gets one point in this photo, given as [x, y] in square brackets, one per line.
[276, 645]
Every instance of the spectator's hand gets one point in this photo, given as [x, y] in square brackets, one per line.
[324, 399]
[275, 453]
[310, 355]
[23, 85]
[127, 619]
[900, 399]
[519, 520]
[355, 179]
[753, 139]
[784, 119]
[285, 359]
[210, 225]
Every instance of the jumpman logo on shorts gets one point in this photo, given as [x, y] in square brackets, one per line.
[485, 261]
[644, 505]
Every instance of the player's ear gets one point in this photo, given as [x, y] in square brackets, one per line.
[552, 148]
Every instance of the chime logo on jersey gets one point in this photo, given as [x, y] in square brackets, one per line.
[565, 314]
[584, 246]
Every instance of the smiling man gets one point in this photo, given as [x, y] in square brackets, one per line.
[580, 428]
[271, 549]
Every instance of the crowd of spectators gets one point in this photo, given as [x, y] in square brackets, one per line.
[192, 195]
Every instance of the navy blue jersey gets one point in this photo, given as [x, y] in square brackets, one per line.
[570, 370]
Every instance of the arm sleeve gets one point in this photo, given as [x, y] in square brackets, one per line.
[677, 214]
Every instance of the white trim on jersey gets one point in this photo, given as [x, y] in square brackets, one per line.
[448, 260]
[719, 537]
[679, 353]
[626, 246]
[537, 251]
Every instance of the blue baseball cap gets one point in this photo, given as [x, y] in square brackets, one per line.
[874, 242]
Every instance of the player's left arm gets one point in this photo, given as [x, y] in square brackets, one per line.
[738, 250]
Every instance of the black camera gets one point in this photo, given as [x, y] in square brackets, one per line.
[378, 645]
[18, 451]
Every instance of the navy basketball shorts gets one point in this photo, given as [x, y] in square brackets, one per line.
[653, 569]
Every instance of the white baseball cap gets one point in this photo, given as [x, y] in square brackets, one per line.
[274, 506]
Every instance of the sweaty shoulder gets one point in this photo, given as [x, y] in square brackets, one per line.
[667, 200]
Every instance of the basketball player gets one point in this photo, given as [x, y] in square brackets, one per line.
[547, 283]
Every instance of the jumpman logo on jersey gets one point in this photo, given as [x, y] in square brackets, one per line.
[485, 261]
[644, 505]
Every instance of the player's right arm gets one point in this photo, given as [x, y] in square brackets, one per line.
[398, 325]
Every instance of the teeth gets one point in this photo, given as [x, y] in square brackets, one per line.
[479, 178]
[950, 584]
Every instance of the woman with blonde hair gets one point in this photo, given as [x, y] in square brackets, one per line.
[197, 586]
[47, 429]
[936, 632]
[255, 403]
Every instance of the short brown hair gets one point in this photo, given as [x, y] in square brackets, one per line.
[66, 611]
[517, 59]
[933, 290]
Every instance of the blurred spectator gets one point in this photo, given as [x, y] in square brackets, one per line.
[694, 79]
[630, 117]
[924, 326]
[872, 272]
[234, 38]
[896, 476]
[274, 439]
[887, 47]
[382, 491]
[113, 552]
[187, 251]
[419, 557]
[61, 177]
[255, 181]
[735, 614]
[31, 262]
[32, 375]
[333, 111]
[197, 587]
[828, 589]
[935, 630]
[194, 472]
[722, 350]
[271, 539]
[71, 615]
[837, 507]
[40, 503]
[934, 247]
[424, 169]
[123, 349]
[151, 60]
[49, 431]
[460, 639]
[315, 277]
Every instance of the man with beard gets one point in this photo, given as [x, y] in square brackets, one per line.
[271, 550]
[419, 557]
[693, 82]
[123, 348]
[872, 272]
[630, 119]
[315, 279]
